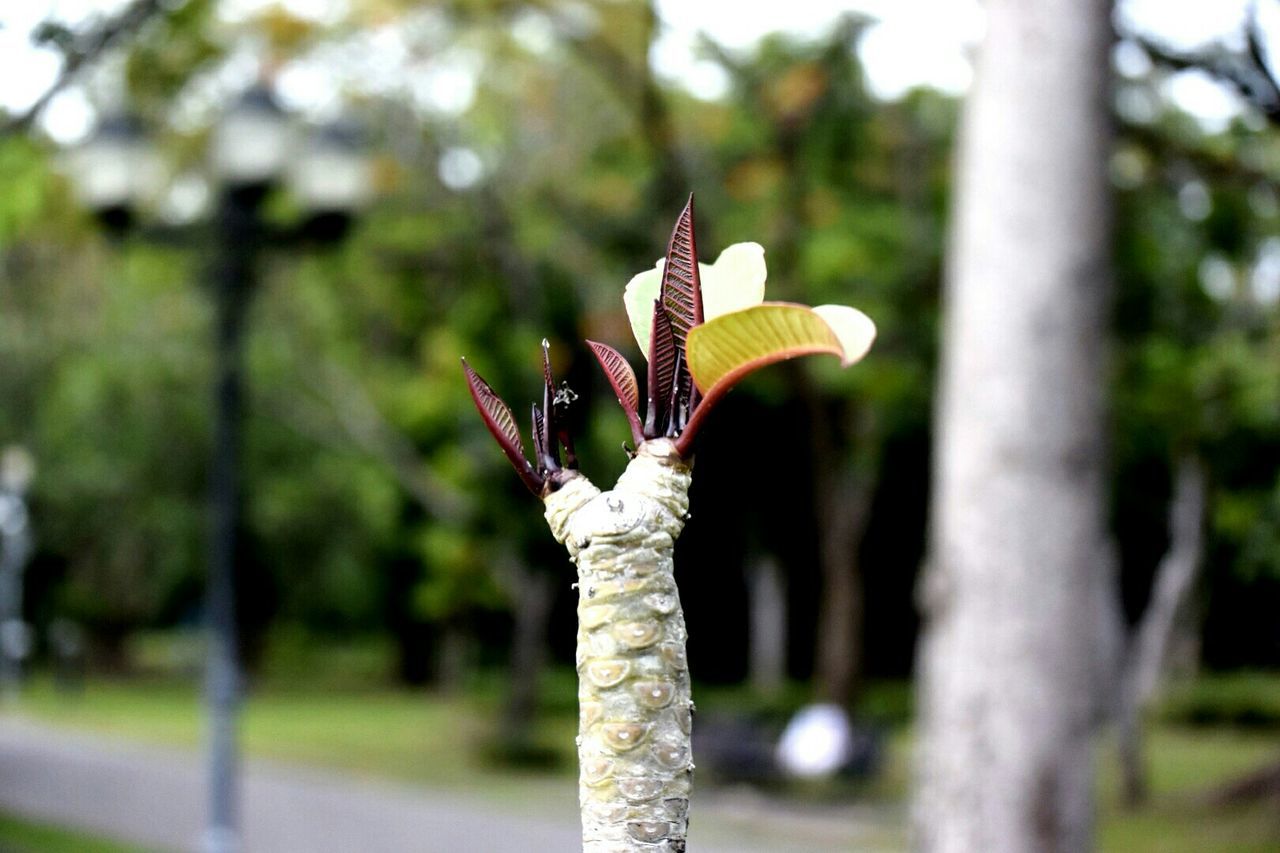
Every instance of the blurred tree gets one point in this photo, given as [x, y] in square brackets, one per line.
[95, 386]
[847, 198]
[1008, 681]
[1195, 329]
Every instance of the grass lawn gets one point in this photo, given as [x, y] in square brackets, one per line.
[1184, 763]
[19, 835]
[441, 740]
[401, 734]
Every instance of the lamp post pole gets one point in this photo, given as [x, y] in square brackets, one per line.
[16, 469]
[15, 547]
[233, 284]
[252, 151]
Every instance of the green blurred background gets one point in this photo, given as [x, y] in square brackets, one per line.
[529, 158]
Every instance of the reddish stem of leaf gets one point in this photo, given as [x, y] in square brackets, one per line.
[542, 453]
[678, 405]
[550, 458]
[724, 385]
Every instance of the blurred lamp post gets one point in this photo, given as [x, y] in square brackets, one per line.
[17, 469]
[253, 151]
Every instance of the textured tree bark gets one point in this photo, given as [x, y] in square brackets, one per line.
[1008, 693]
[635, 712]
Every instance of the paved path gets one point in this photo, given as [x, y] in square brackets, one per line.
[153, 797]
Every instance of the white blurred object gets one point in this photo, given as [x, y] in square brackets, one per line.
[253, 141]
[17, 469]
[13, 515]
[332, 173]
[817, 742]
[117, 166]
[17, 639]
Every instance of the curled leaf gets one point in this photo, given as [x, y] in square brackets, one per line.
[729, 347]
[724, 350]
[852, 328]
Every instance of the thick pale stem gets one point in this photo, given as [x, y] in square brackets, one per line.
[633, 681]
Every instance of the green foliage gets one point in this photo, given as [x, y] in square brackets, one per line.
[455, 577]
[298, 659]
[117, 424]
[181, 44]
[1197, 365]
[33, 195]
[373, 495]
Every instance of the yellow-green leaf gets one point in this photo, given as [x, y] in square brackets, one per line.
[723, 350]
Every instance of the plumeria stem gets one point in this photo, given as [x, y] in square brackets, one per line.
[635, 712]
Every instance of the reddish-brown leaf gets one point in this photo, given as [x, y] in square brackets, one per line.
[678, 406]
[502, 425]
[681, 292]
[662, 371]
[623, 381]
[540, 444]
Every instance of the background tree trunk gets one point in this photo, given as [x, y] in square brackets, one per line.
[534, 594]
[1149, 645]
[844, 480]
[1008, 690]
[844, 508]
[767, 648]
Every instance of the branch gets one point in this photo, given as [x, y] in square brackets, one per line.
[1175, 577]
[1249, 74]
[364, 426]
[1266, 79]
[82, 50]
[1207, 163]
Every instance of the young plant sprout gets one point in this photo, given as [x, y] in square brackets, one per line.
[702, 328]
